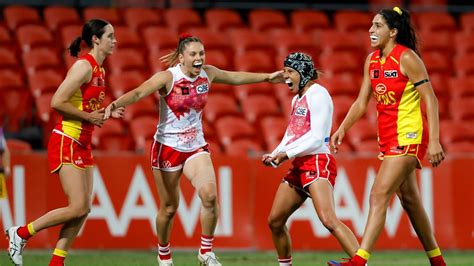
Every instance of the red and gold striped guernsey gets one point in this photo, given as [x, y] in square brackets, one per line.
[400, 120]
[88, 98]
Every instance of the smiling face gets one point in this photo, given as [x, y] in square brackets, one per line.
[192, 59]
[292, 79]
[380, 33]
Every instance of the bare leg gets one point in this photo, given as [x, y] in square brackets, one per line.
[200, 171]
[71, 228]
[323, 200]
[409, 196]
[167, 184]
[287, 200]
[77, 186]
[393, 172]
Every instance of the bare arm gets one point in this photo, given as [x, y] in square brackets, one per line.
[80, 73]
[156, 82]
[412, 66]
[239, 78]
[357, 110]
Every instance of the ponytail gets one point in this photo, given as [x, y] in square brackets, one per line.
[75, 47]
[171, 59]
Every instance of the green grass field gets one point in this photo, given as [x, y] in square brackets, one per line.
[231, 258]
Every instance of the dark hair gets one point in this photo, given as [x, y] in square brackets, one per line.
[92, 27]
[171, 59]
[399, 18]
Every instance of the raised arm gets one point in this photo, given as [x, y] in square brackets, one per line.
[412, 66]
[161, 80]
[79, 74]
[357, 110]
[238, 78]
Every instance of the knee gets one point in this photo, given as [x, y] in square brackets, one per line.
[81, 210]
[329, 220]
[168, 210]
[275, 224]
[379, 198]
[208, 195]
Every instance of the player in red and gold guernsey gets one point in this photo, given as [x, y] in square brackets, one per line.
[78, 99]
[396, 77]
[179, 145]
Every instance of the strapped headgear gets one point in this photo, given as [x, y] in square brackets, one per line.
[303, 64]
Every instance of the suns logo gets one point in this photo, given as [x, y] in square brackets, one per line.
[380, 88]
[382, 96]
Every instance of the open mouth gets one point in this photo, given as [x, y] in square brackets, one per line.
[197, 64]
[289, 83]
[374, 38]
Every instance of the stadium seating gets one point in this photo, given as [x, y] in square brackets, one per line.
[111, 15]
[123, 82]
[111, 137]
[306, 21]
[435, 22]
[35, 36]
[257, 40]
[180, 19]
[57, 17]
[244, 147]
[146, 107]
[347, 21]
[46, 81]
[467, 21]
[261, 20]
[219, 105]
[142, 129]
[273, 129]
[230, 128]
[137, 18]
[221, 20]
[257, 106]
[17, 15]
[128, 38]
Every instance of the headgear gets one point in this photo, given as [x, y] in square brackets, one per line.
[303, 64]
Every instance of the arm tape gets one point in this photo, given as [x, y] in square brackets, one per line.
[416, 84]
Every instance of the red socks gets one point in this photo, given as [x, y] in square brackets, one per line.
[437, 261]
[164, 251]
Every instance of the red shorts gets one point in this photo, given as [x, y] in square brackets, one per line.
[308, 169]
[416, 150]
[65, 150]
[168, 159]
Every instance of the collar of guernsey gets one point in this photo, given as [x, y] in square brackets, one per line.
[88, 98]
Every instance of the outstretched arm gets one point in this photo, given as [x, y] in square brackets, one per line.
[412, 66]
[153, 84]
[238, 78]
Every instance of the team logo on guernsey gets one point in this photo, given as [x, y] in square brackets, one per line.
[301, 111]
[380, 88]
[390, 74]
[203, 88]
[374, 74]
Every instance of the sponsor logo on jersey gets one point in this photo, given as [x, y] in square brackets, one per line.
[374, 74]
[412, 135]
[301, 111]
[390, 74]
[203, 88]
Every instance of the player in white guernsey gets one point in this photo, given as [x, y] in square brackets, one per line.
[313, 171]
[180, 147]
